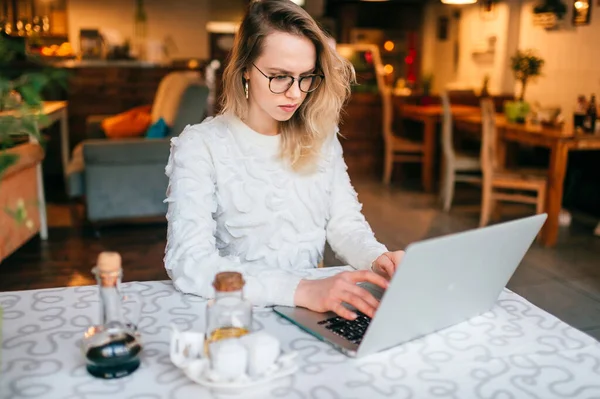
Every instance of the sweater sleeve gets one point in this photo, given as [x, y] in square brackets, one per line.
[191, 257]
[348, 232]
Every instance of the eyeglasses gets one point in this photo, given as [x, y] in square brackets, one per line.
[282, 83]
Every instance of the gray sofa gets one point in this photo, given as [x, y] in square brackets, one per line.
[125, 178]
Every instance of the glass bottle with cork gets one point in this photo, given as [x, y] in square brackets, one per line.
[112, 348]
[229, 315]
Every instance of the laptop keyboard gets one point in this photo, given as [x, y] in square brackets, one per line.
[352, 330]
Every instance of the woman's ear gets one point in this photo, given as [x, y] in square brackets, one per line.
[246, 75]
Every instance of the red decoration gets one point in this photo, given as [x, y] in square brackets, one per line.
[410, 59]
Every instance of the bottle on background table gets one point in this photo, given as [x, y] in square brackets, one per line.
[591, 115]
[580, 113]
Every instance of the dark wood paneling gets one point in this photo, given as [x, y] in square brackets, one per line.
[109, 90]
[362, 134]
[390, 15]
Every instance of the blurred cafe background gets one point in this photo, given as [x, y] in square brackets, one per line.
[440, 84]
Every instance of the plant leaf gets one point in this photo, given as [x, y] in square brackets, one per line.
[7, 160]
[30, 95]
[36, 81]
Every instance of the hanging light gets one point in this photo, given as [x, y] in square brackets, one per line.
[459, 1]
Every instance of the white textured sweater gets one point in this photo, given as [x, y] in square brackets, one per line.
[234, 205]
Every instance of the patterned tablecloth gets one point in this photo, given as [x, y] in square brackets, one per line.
[515, 350]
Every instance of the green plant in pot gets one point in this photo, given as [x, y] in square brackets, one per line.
[525, 66]
[20, 105]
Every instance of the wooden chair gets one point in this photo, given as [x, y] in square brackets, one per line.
[463, 96]
[516, 185]
[458, 166]
[397, 148]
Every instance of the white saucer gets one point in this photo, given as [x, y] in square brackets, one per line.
[188, 355]
[199, 372]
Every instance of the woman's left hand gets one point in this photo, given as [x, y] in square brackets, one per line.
[386, 264]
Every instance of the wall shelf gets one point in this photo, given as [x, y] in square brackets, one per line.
[484, 57]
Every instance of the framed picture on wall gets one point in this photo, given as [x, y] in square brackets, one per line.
[582, 12]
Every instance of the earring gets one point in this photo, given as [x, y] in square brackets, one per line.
[246, 89]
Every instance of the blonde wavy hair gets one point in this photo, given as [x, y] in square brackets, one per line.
[317, 118]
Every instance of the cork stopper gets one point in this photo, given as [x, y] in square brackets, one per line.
[109, 267]
[228, 281]
[109, 262]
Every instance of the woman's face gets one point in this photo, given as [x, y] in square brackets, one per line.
[283, 55]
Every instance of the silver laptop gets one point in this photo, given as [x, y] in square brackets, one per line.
[441, 282]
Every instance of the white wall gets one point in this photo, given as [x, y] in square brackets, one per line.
[183, 21]
[474, 33]
[437, 56]
[572, 60]
[571, 53]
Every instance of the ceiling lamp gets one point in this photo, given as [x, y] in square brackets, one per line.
[459, 1]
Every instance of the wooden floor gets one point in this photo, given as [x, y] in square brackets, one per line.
[564, 280]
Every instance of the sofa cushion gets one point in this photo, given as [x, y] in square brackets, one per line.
[158, 130]
[131, 123]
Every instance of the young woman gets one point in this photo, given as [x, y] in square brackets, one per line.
[261, 187]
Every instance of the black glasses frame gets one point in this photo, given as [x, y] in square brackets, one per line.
[300, 79]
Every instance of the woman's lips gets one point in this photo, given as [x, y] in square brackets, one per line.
[288, 108]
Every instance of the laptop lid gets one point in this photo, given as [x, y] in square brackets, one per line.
[447, 280]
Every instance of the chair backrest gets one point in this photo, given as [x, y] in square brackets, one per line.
[463, 97]
[192, 108]
[388, 115]
[488, 139]
[447, 135]
[169, 94]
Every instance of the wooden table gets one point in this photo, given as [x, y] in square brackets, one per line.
[53, 111]
[430, 116]
[558, 140]
[56, 111]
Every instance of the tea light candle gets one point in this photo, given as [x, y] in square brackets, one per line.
[229, 359]
[263, 350]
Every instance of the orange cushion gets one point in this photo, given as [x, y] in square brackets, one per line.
[131, 123]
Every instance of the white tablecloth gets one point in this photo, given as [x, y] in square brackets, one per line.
[515, 350]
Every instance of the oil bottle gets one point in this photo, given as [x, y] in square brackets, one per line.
[112, 348]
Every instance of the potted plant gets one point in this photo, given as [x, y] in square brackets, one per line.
[525, 66]
[20, 103]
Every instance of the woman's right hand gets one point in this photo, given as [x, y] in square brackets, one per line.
[328, 294]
